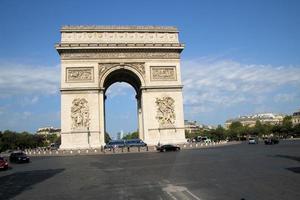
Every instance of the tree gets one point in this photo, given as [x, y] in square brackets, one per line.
[133, 135]
[235, 130]
[287, 126]
[107, 137]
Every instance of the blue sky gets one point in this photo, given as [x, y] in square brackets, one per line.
[241, 57]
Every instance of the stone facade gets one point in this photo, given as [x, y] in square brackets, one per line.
[94, 57]
[264, 118]
[296, 118]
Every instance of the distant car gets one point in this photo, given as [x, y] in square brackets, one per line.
[115, 144]
[53, 146]
[19, 157]
[206, 140]
[271, 141]
[135, 143]
[252, 141]
[168, 147]
[3, 163]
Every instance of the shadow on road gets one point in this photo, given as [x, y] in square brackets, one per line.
[14, 184]
[296, 158]
[293, 169]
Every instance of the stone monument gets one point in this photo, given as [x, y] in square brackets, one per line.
[95, 57]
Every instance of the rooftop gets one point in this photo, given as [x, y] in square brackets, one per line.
[95, 28]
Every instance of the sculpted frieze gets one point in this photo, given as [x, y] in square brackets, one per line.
[118, 55]
[80, 114]
[139, 66]
[163, 73]
[79, 74]
[120, 37]
[165, 112]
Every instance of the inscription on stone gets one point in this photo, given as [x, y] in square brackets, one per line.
[82, 74]
[163, 74]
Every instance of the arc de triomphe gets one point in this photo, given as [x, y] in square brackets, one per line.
[95, 57]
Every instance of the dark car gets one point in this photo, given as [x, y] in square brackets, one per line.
[135, 143]
[115, 144]
[168, 147]
[19, 157]
[3, 163]
[271, 141]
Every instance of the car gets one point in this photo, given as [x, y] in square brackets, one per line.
[115, 144]
[3, 163]
[135, 143]
[19, 157]
[168, 147]
[252, 141]
[271, 141]
[53, 147]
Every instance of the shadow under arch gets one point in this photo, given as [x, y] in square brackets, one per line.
[120, 73]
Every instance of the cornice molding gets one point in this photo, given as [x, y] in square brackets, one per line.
[93, 28]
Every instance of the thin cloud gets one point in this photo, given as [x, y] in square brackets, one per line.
[228, 83]
[19, 79]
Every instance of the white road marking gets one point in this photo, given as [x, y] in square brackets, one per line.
[179, 192]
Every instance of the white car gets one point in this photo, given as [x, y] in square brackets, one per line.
[252, 141]
[206, 140]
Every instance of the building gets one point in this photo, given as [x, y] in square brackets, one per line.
[194, 126]
[120, 135]
[49, 131]
[250, 120]
[296, 118]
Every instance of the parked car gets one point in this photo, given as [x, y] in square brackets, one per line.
[252, 141]
[271, 141]
[135, 143]
[115, 144]
[3, 163]
[19, 157]
[202, 139]
[168, 147]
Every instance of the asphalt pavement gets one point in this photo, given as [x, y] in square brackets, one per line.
[234, 172]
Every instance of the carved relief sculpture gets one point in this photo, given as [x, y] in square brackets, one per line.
[81, 74]
[103, 67]
[80, 114]
[163, 73]
[165, 112]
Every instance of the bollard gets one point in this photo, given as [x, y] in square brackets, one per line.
[113, 150]
[87, 151]
[196, 145]
[71, 152]
[128, 149]
[147, 148]
[139, 149]
[56, 152]
[184, 146]
[78, 151]
[122, 149]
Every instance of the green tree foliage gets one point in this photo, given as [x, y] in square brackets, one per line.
[133, 135]
[14, 140]
[107, 137]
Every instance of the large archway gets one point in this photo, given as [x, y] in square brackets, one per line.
[95, 57]
[128, 76]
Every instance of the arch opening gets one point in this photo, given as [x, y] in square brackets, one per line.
[131, 79]
[123, 75]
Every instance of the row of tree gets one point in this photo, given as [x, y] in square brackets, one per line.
[24, 140]
[237, 131]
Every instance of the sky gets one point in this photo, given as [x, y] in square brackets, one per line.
[241, 57]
